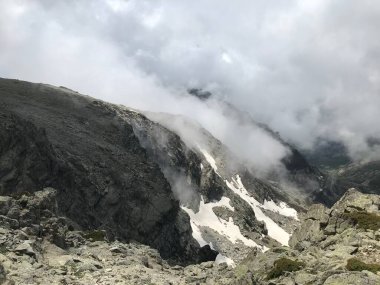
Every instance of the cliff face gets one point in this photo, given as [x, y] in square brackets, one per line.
[104, 178]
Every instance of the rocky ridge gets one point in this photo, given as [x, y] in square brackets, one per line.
[40, 247]
[340, 245]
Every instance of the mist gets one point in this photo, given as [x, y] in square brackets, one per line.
[308, 69]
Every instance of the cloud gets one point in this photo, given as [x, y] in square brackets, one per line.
[308, 69]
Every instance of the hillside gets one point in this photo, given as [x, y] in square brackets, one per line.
[91, 189]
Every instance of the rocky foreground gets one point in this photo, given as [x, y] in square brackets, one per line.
[336, 246]
[340, 245]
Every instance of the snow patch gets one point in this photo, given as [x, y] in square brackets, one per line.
[206, 217]
[282, 209]
[209, 159]
[197, 234]
[225, 202]
[274, 230]
[224, 259]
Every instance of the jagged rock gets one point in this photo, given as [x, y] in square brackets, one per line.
[353, 278]
[26, 248]
[9, 223]
[355, 201]
[5, 203]
[2, 274]
[324, 242]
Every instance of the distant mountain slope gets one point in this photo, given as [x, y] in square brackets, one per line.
[363, 176]
[328, 155]
[305, 179]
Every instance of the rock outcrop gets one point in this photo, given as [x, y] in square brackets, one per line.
[340, 245]
[37, 246]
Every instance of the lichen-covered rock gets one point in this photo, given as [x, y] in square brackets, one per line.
[326, 242]
[353, 278]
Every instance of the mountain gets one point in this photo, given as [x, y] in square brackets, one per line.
[122, 171]
[299, 177]
[327, 155]
[105, 180]
[364, 176]
[332, 246]
[150, 191]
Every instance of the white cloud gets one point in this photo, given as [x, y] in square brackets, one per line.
[307, 68]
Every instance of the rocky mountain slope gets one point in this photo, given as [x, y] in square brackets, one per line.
[117, 170]
[340, 245]
[38, 246]
[364, 176]
[104, 178]
[92, 191]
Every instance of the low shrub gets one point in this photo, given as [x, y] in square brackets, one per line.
[364, 220]
[354, 264]
[95, 235]
[282, 265]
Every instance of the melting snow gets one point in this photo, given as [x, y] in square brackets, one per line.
[221, 259]
[197, 234]
[282, 209]
[274, 230]
[209, 159]
[206, 217]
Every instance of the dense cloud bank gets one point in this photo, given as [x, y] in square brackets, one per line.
[308, 69]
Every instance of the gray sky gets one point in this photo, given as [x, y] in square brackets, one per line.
[306, 68]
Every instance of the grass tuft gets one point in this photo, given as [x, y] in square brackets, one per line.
[364, 220]
[283, 265]
[354, 264]
[95, 235]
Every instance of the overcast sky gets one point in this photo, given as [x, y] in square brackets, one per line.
[306, 68]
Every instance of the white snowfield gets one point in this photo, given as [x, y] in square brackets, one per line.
[209, 159]
[282, 209]
[221, 259]
[274, 230]
[206, 217]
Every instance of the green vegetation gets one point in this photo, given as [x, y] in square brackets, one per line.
[283, 265]
[354, 264]
[280, 249]
[364, 220]
[3, 249]
[95, 235]
[241, 270]
[77, 272]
